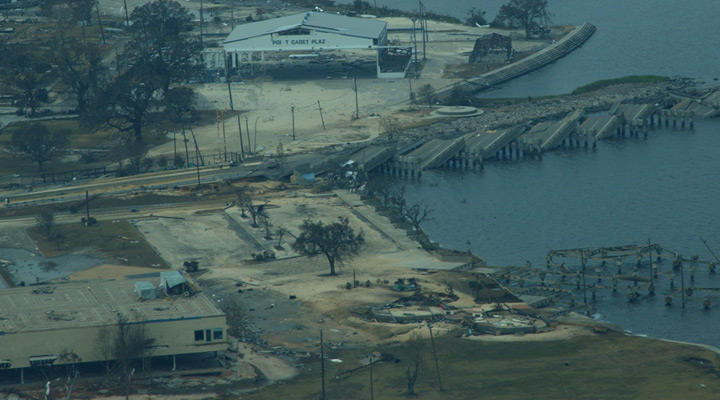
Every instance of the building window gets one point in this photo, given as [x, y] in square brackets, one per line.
[217, 334]
[199, 335]
[294, 32]
[41, 361]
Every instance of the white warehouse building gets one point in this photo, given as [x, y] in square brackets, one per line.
[312, 33]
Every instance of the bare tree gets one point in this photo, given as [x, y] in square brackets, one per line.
[416, 214]
[104, 349]
[246, 203]
[238, 319]
[415, 349]
[398, 203]
[390, 126]
[70, 359]
[426, 93]
[242, 198]
[46, 222]
[121, 346]
[57, 236]
[280, 232]
[265, 223]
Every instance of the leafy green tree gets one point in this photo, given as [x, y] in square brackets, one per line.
[79, 65]
[161, 51]
[126, 102]
[37, 143]
[161, 39]
[24, 70]
[81, 9]
[522, 13]
[475, 17]
[337, 241]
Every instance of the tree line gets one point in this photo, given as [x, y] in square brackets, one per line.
[150, 69]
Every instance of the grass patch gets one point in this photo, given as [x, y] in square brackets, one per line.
[619, 81]
[612, 366]
[117, 241]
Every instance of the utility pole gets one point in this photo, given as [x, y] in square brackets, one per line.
[198, 154]
[423, 24]
[322, 364]
[242, 151]
[217, 126]
[227, 79]
[437, 367]
[651, 262]
[127, 16]
[102, 34]
[247, 132]
[232, 17]
[87, 208]
[197, 166]
[201, 26]
[414, 40]
[582, 260]
[357, 106]
[321, 116]
[682, 281]
[292, 110]
[372, 392]
[412, 95]
[187, 154]
[117, 62]
[223, 130]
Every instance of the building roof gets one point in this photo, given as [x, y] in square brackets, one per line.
[95, 303]
[330, 23]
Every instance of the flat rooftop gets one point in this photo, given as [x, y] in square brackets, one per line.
[94, 303]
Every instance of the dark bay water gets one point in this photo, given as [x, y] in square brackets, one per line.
[663, 188]
[627, 191]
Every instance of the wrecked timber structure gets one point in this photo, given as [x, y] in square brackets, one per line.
[639, 270]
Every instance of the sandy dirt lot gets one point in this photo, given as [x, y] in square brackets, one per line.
[291, 298]
[266, 100]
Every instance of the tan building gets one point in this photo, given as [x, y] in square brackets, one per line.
[38, 323]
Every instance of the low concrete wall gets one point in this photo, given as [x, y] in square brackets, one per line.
[557, 50]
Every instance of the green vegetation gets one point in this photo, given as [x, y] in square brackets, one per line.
[611, 366]
[116, 240]
[618, 81]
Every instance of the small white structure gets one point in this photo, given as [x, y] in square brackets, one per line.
[173, 283]
[145, 290]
